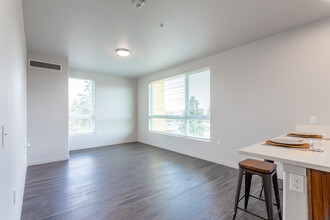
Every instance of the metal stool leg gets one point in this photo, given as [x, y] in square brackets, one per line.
[262, 186]
[248, 179]
[277, 195]
[262, 189]
[238, 190]
[267, 182]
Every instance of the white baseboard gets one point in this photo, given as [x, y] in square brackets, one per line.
[216, 160]
[48, 160]
[89, 147]
[203, 157]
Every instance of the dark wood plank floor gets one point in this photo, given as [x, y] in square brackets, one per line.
[133, 181]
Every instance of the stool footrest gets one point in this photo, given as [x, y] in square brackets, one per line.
[274, 204]
[251, 213]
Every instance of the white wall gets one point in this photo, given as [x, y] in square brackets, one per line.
[47, 111]
[258, 91]
[12, 108]
[115, 111]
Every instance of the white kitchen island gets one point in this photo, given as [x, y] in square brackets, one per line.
[297, 163]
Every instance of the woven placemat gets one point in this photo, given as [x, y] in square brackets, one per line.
[305, 145]
[305, 135]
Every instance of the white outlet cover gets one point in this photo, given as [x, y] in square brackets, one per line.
[313, 119]
[297, 183]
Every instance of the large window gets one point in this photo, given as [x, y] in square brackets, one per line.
[81, 106]
[180, 105]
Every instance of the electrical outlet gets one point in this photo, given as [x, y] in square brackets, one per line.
[26, 147]
[296, 183]
[313, 119]
[218, 141]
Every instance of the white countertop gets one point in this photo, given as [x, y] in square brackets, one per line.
[293, 156]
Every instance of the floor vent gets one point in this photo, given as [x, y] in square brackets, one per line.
[44, 65]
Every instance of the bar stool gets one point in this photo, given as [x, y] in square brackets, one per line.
[267, 171]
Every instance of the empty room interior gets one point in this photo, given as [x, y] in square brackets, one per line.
[153, 109]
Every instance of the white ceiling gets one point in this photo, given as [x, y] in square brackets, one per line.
[88, 31]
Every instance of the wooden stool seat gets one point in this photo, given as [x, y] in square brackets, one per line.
[257, 165]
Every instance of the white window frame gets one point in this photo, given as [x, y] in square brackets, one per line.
[186, 117]
[92, 116]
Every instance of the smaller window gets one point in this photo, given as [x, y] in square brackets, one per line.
[81, 106]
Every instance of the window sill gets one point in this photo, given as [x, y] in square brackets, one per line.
[82, 134]
[181, 136]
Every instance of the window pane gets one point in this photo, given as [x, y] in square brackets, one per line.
[81, 106]
[187, 96]
[169, 96]
[78, 126]
[173, 126]
[199, 128]
[199, 94]
[80, 98]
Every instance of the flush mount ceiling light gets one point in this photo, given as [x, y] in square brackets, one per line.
[123, 52]
[138, 3]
